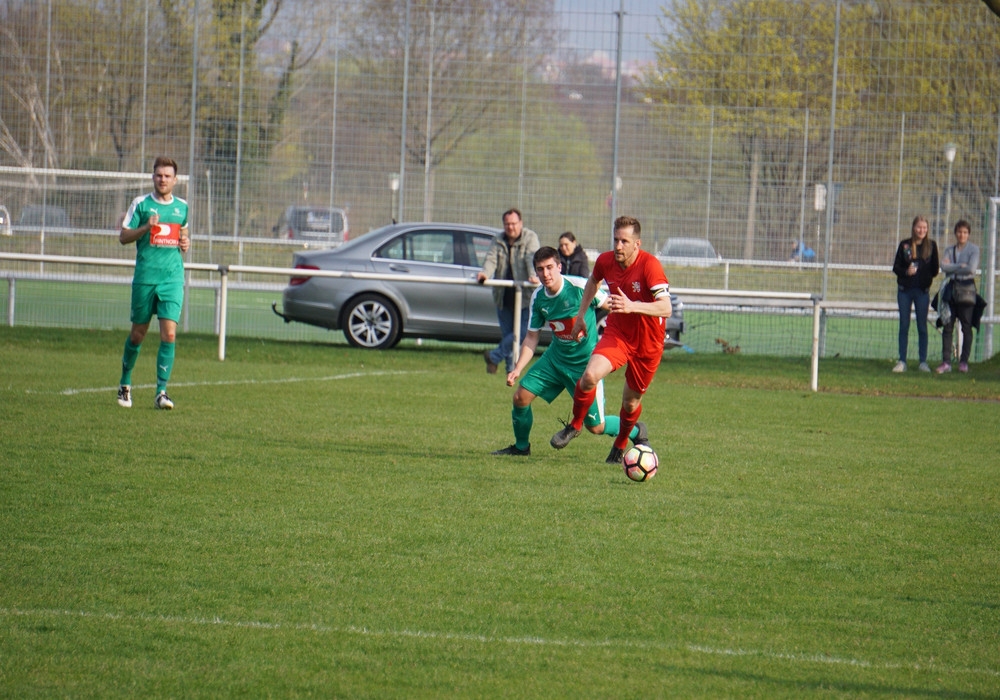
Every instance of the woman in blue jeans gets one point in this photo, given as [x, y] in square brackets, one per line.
[915, 267]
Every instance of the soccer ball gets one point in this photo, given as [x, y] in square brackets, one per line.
[640, 462]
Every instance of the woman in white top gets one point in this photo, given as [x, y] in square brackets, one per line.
[960, 263]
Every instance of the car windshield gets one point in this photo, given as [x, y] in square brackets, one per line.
[683, 249]
[318, 220]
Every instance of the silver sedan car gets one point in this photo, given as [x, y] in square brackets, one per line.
[378, 313]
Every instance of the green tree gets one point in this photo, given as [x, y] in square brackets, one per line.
[938, 63]
[758, 65]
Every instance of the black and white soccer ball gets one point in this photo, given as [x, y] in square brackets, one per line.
[640, 462]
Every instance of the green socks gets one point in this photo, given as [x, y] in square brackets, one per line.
[164, 365]
[522, 419]
[129, 357]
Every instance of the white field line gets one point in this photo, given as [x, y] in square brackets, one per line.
[487, 639]
[229, 382]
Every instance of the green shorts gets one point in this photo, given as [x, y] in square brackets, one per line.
[548, 379]
[164, 299]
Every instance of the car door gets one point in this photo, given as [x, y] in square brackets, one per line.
[432, 309]
[480, 311]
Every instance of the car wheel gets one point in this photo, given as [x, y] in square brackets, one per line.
[371, 321]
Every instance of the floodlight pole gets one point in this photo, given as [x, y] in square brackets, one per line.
[831, 195]
[618, 111]
[949, 154]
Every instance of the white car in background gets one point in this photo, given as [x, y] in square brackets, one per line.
[688, 252]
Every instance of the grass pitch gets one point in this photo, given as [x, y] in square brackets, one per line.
[318, 520]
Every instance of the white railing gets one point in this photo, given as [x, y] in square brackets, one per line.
[692, 296]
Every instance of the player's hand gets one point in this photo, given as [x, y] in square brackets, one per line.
[512, 377]
[620, 303]
[154, 219]
[184, 243]
[579, 329]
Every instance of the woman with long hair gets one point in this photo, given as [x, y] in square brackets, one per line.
[916, 266]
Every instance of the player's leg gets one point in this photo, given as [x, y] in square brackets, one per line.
[638, 377]
[142, 306]
[168, 311]
[540, 380]
[583, 398]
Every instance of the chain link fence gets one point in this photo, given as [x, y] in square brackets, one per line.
[763, 127]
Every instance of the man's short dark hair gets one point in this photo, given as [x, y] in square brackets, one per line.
[164, 161]
[626, 221]
[544, 253]
[512, 211]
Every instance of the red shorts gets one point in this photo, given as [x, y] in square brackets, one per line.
[641, 368]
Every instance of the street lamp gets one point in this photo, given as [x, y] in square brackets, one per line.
[949, 153]
[393, 188]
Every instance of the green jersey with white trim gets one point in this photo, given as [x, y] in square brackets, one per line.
[558, 312]
[157, 257]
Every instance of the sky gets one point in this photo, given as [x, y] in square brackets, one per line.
[591, 25]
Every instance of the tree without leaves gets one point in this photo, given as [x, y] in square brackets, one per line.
[469, 55]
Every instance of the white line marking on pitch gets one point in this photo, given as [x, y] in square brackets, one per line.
[485, 639]
[230, 382]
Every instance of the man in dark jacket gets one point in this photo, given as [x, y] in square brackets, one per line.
[509, 258]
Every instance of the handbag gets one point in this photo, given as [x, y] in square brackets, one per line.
[963, 292]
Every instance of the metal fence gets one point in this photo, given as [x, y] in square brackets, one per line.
[757, 125]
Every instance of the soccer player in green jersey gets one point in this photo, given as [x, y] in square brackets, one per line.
[158, 225]
[555, 304]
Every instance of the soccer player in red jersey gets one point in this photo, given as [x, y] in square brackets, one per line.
[640, 305]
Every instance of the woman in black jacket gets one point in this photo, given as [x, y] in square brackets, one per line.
[915, 266]
[572, 256]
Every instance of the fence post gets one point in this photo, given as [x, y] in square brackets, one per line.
[814, 373]
[11, 290]
[223, 300]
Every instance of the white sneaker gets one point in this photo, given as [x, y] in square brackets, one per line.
[924, 367]
[125, 396]
[900, 367]
[163, 401]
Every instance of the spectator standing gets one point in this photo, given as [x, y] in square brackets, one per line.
[960, 263]
[509, 258]
[915, 267]
[572, 256]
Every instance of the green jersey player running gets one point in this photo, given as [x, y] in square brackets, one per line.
[158, 225]
[555, 304]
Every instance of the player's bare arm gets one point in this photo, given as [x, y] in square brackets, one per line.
[580, 324]
[523, 357]
[660, 306]
[184, 240]
[131, 235]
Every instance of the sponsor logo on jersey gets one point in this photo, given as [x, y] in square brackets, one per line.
[165, 235]
[562, 327]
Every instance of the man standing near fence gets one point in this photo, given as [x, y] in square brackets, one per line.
[509, 258]
[158, 225]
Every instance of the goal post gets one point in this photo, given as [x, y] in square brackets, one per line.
[80, 200]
